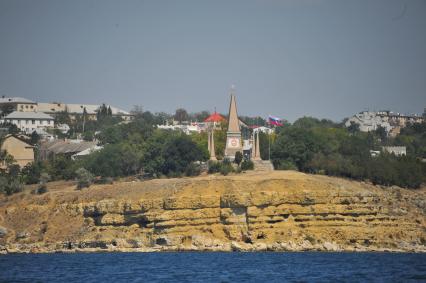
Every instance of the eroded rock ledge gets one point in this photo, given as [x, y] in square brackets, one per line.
[279, 211]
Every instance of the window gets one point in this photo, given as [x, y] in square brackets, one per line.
[32, 107]
[33, 122]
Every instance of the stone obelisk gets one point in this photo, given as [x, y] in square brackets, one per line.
[208, 140]
[211, 145]
[256, 153]
[233, 135]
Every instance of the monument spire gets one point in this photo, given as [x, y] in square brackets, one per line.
[233, 122]
[233, 135]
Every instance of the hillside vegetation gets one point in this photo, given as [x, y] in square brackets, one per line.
[308, 145]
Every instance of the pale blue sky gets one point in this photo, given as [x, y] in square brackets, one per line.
[328, 59]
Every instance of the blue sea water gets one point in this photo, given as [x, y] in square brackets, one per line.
[214, 267]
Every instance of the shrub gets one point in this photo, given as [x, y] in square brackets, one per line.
[226, 168]
[10, 186]
[15, 186]
[105, 181]
[41, 189]
[31, 172]
[193, 169]
[84, 178]
[214, 167]
[247, 165]
[3, 184]
[226, 161]
[285, 165]
[44, 178]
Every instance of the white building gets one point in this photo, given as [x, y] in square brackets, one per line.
[25, 105]
[397, 150]
[187, 129]
[79, 109]
[392, 122]
[263, 129]
[369, 121]
[28, 122]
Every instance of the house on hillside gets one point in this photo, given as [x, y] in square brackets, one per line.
[74, 110]
[10, 104]
[28, 122]
[392, 122]
[17, 104]
[86, 152]
[64, 147]
[19, 149]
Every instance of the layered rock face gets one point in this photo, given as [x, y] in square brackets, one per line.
[279, 211]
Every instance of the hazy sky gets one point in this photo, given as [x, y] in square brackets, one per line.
[328, 59]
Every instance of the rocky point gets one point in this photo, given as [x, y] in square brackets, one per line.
[273, 211]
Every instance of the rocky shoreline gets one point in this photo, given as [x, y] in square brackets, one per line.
[278, 212]
[231, 247]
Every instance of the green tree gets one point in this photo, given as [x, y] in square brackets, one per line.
[62, 117]
[181, 115]
[247, 165]
[35, 138]
[6, 109]
[310, 122]
[353, 128]
[180, 151]
[381, 133]
[296, 146]
[32, 171]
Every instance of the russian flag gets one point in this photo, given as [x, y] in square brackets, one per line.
[275, 121]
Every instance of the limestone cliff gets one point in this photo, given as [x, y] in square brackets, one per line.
[277, 211]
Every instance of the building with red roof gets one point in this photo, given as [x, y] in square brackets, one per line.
[215, 118]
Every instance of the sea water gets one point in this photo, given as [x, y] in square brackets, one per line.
[214, 267]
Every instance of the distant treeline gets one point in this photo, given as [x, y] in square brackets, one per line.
[309, 145]
[323, 147]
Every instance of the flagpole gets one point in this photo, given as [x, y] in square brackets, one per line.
[269, 135]
[269, 141]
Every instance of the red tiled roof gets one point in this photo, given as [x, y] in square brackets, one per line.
[215, 117]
